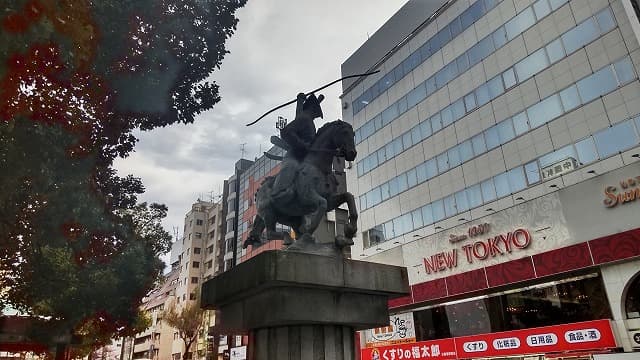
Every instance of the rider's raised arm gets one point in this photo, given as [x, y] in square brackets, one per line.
[300, 101]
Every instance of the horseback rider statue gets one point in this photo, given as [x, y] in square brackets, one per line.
[298, 136]
[306, 188]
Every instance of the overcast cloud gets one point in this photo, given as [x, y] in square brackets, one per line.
[281, 47]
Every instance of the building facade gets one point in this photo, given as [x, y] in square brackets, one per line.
[498, 150]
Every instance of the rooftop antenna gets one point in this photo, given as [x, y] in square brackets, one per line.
[242, 150]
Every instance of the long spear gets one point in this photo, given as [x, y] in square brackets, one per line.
[311, 92]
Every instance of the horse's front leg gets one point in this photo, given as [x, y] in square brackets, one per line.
[346, 197]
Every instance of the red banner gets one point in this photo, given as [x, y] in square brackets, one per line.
[444, 349]
[588, 335]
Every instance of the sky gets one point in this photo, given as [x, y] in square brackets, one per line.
[280, 48]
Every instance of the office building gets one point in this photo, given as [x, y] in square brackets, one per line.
[498, 153]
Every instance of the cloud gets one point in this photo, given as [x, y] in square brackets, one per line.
[281, 47]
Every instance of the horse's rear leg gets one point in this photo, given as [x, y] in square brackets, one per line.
[313, 220]
[256, 232]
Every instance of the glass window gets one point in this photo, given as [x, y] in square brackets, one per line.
[438, 210]
[638, 123]
[555, 4]
[431, 85]
[517, 181]
[402, 105]
[544, 111]
[580, 35]
[406, 140]
[402, 182]
[389, 231]
[499, 37]
[541, 8]
[425, 129]
[531, 64]
[570, 98]
[555, 50]
[416, 217]
[482, 95]
[600, 82]
[502, 185]
[443, 163]
[474, 195]
[374, 197]
[616, 138]
[411, 62]
[447, 116]
[605, 20]
[632, 301]
[470, 102]
[509, 78]
[454, 157]
[495, 87]
[385, 191]
[533, 172]
[455, 27]
[427, 214]
[457, 109]
[520, 123]
[432, 168]
[586, 150]
[624, 71]
[394, 187]
[488, 190]
[416, 135]
[421, 173]
[389, 114]
[382, 155]
[360, 168]
[505, 131]
[397, 146]
[462, 204]
[450, 205]
[462, 62]
[412, 178]
[466, 150]
[479, 146]
[492, 137]
[416, 95]
[436, 122]
[520, 23]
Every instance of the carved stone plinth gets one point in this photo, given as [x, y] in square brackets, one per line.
[298, 306]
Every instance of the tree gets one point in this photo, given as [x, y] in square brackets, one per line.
[187, 319]
[77, 78]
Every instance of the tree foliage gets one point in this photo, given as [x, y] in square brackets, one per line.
[187, 320]
[77, 78]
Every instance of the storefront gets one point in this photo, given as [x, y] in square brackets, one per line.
[555, 276]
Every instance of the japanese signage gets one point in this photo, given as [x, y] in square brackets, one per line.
[559, 168]
[478, 250]
[581, 336]
[400, 330]
[629, 191]
[436, 350]
[238, 353]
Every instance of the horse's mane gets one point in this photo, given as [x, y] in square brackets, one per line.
[330, 126]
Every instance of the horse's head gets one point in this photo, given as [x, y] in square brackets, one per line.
[341, 136]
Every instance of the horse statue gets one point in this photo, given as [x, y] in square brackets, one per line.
[315, 193]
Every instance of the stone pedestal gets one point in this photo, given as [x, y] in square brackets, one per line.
[302, 306]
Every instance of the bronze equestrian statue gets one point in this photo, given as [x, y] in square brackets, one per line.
[306, 188]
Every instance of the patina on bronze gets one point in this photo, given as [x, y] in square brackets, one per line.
[306, 188]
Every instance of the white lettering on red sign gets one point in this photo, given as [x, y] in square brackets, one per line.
[581, 336]
[479, 250]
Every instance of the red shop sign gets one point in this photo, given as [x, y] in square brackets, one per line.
[443, 349]
[586, 335]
